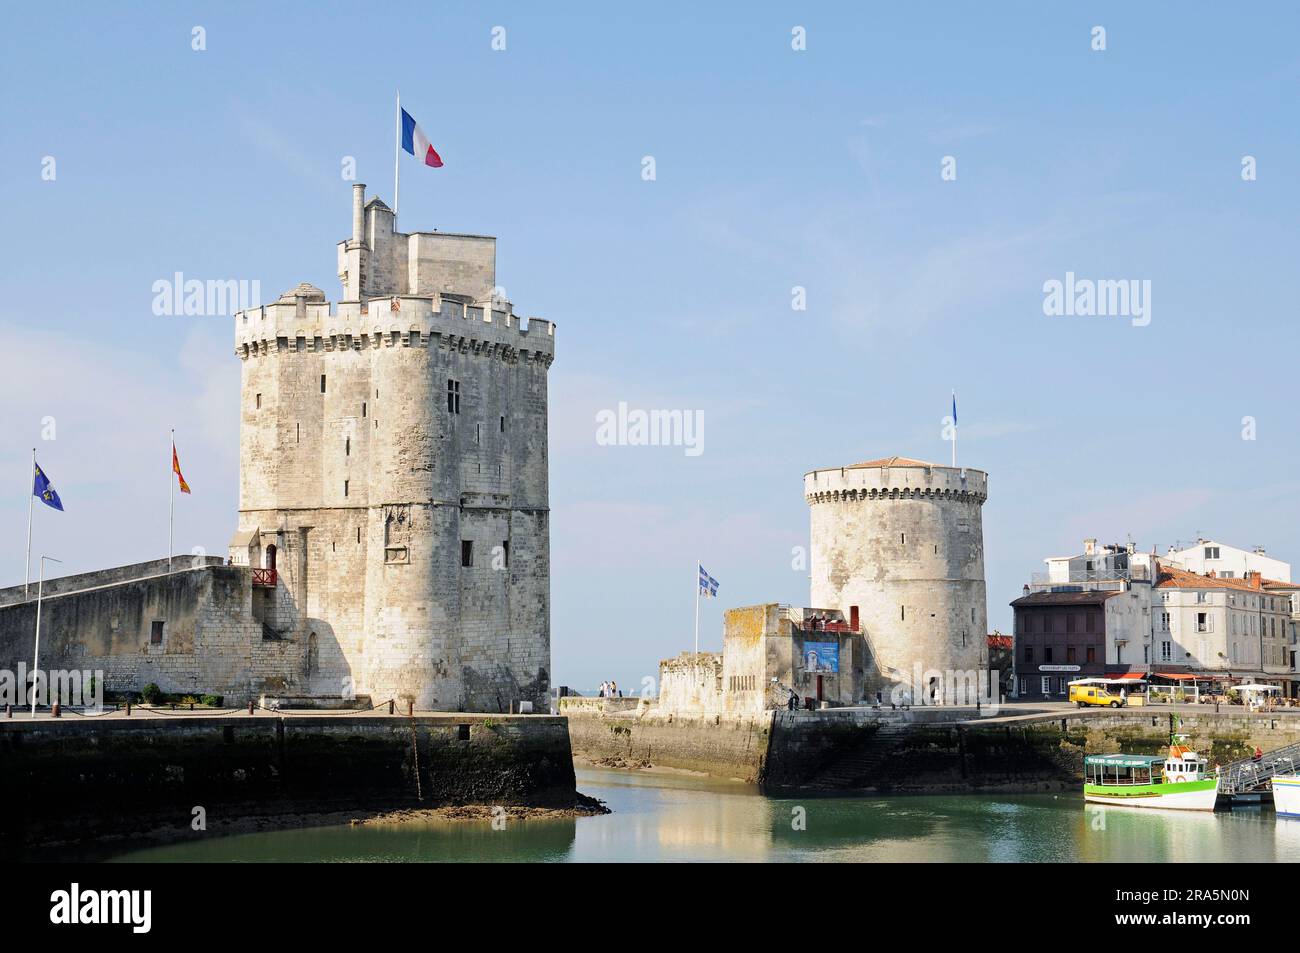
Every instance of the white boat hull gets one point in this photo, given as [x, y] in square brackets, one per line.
[1286, 797]
[1202, 800]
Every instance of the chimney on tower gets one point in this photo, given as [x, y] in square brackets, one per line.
[358, 211]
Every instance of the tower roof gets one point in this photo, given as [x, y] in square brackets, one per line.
[306, 290]
[890, 462]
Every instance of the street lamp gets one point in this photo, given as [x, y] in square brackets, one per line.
[36, 657]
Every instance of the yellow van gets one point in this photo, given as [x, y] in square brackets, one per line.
[1084, 695]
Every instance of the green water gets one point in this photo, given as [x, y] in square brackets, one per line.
[667, 817]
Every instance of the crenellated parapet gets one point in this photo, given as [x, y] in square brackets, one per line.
[301, 322]
[883, 481]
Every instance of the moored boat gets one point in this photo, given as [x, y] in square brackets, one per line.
[1286, 796]
[1177, 781]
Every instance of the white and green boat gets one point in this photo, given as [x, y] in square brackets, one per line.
[1178, 781]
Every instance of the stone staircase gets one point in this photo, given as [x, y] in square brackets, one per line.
[858, 767]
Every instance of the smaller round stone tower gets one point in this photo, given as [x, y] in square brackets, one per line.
[898, 546]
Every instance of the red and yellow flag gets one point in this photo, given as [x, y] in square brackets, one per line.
[176, 468]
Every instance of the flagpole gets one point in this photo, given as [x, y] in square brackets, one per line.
[36, 656]
[397, 161]
[697, 607]
[954, 430]
[171, 504]
[31, 498]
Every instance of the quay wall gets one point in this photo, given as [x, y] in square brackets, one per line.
[1040, 754]
[77, 779]
[721, 745]
[925, 750]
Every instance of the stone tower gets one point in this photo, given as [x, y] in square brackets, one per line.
[898, 546]
[393, 471]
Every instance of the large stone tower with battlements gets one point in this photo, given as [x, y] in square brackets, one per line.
[393, 473]
[898, 547]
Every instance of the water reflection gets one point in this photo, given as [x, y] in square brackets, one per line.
[679, 818]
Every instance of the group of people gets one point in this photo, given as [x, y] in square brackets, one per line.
[609, 689]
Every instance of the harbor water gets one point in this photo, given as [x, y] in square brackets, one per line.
[661, 816]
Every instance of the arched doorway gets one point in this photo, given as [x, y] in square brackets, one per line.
[270, 557]
[313, 656]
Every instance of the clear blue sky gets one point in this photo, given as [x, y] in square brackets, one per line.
[775, 168]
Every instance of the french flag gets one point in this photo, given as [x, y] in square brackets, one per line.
[417, 143]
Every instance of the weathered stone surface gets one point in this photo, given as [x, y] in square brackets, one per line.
[393, 472]
[903, 543]
[380, 438]
[84, 778]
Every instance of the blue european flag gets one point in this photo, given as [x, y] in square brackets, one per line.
[42, 489]
[954, 408]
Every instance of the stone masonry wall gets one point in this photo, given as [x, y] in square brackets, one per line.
[905, 545]
[78, 779]
[212, 641]
[378, 440]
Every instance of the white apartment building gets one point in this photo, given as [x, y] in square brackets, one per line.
[1161, 617]
[1228, 562]
[1215, 625]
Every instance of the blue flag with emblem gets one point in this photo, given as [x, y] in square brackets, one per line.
[708, 585]
[44, 490]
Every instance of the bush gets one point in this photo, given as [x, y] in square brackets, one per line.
[151, 694]
[212, 701]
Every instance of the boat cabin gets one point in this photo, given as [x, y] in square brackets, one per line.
[1183, 764]
[1122, 769]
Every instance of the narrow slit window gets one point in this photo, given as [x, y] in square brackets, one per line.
[467, 552]
[322, 383]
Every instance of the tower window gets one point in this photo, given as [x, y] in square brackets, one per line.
[902, 537]
[156, 631]
[505, 552]
[503, 425]
[478, 433]
[322, 383]
[347, 446]
[358, 534]
[345, 487]
[259, 402]
[902, 613]
[363, 410]
[453, 397]
[297, 430]
[467, 552]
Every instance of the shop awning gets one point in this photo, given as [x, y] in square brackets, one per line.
[1181, 676]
